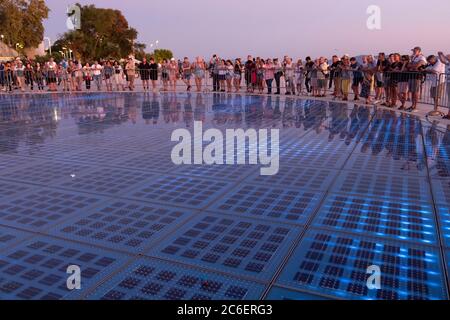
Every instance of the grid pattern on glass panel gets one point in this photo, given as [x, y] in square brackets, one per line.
[11, 236]
[222, 172]
[8, 189]
[443, 213]
[177, 190]
[107, 180]
[277, 203]
[37, 269]
[385, 163]
[47, 172]
[382, 185]
[42, 209]
[336, 264]
[389, 218]
[122, 224]
[297, 177]
[151, 279]
[441, 190]
[234, 245]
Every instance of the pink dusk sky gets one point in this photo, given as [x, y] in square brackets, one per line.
[277, 27]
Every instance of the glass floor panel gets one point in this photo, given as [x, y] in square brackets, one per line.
[88, 180]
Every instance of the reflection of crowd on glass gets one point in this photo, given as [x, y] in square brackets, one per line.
[388, 79]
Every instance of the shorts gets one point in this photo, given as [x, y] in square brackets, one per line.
[165, 76]
[414, 85]
[187, 76]
[357, 81]
[199, 74]
[221, 77]
[379, 84]
[322, 83]
[436, 92]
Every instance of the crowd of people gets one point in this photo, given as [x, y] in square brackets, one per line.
[386, 79]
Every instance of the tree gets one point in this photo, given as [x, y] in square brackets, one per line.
[104, 33]
[160, 54]
[21, 21]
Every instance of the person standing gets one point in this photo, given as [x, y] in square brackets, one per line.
[382, 64]
[289, 76]
[165, 74]
[403, 81]
[278, 73]
[39, 76]
[229, 75]
[345, 77]
[29, 76]
[79, 76]
[434, 70]
[269, 74]
[322, 74]
[415, 67]
[87, 71]
[8, 77]
[153, 74]
[186, 73]
[299, 76]
[250, 69]
[199, 68]
[357, 77]
[214, 70]
[19, 71]
[97, 75]
[108, 72]
[369, 68]
[222, 75]
[144, 72]
[237, 75]
[173, 74]
[118, 76]
[309, 65]
[130, 68]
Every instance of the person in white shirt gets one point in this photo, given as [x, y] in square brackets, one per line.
[97, 74]
[434, 70]
[445, 59]
[289, 76]
[416, 65]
